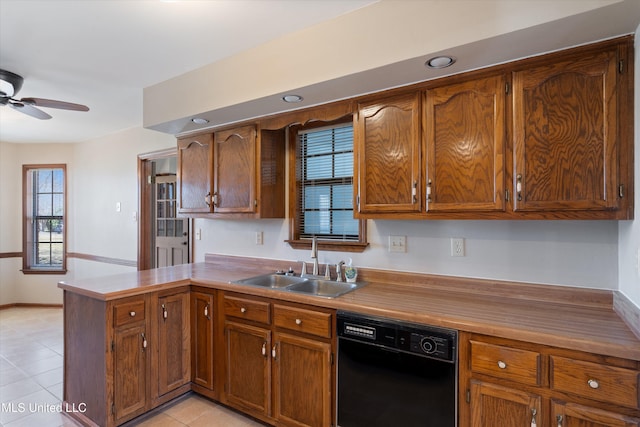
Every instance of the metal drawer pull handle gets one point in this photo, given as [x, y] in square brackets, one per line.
[273, 352]
[559, 419]
[132, 313]
[243, 310]
[298, 321]
[593, 383]
[501, 364]
[264, 349]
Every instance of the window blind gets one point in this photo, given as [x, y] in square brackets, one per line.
[325, 183]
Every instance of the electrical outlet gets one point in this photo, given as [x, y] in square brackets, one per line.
[457, 246]
[259, 237]
[397, 243]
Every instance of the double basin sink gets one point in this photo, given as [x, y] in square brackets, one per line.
[309, 285]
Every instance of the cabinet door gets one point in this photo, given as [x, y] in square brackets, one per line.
[248, 367]
[572, 415]
[465, 137]
[235, 170]
[565, 135]
[497, 406]
[174, 351]
[194, 174]
[130, 372]
[302, 380]
[387, 145]
[202, 339]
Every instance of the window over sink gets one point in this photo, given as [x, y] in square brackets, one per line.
[323, 195]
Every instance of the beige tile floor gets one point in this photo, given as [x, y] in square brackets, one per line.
[31, 349]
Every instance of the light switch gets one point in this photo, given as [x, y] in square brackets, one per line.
[397, 243]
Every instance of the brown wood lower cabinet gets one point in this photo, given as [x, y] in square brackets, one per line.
[202, 342]
[279, 361]
[505, 383]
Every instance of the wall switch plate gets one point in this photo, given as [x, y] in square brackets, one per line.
[457, 246]
[118, 206]
[638, 262]
[199, 234]
[397, 243]
[259, 237]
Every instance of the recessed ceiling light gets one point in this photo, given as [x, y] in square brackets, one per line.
[199, 121]
[292, 98]
[440, 62]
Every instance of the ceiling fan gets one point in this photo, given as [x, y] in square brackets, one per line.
[10, 85]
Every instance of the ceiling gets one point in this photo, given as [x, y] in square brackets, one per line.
[103, 53]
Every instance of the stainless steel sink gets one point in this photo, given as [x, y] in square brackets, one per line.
[311, 285]
[270, 281]
[324, 288]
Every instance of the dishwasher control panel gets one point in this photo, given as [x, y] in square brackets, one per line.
[428, 341]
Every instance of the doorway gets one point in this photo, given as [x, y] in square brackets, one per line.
[163, 237]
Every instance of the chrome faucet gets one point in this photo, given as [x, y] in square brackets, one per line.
[339, 271]
[314, 255]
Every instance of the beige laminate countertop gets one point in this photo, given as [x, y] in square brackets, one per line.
[591, 328]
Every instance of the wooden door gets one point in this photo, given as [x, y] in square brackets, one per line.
[565, 135]
[235, 170]
[302, 381]
[465, 138]
[202, 339]
[130, 372]
[174, 350]
[171, 233]
[195, 165]
[387, 149]
[248, 367]
[573, 415]
[497, 406]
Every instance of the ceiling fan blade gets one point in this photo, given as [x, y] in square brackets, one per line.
[50, 103]
[29, 110]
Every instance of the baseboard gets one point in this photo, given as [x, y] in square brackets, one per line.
[29, 305]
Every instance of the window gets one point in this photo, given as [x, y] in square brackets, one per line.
[44, 218]
[324, 188]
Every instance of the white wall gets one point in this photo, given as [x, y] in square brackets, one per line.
[15, 286]
[629, 234]
[575, 253]
[99, 173]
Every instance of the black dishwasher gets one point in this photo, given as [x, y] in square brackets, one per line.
[395, 373]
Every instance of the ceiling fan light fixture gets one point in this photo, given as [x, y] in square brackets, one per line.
[438, 62]
[292, 98]
[199, 121]
[10, 83]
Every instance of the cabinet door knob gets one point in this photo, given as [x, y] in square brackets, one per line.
[593, 383]
[298, 321]
[273, 351]
[264, 348]
[132, 313]
[206, 311]
[243, 310]
[501, 364]
[559, 420]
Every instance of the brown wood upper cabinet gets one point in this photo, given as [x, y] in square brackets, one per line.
[565, 133]
[195, 156]
[387, 155]
[237, 172]
[465, 140]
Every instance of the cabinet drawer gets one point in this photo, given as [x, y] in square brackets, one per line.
[301, 320]
[248, 309]
[594, 381]
[509, 363]
[128, 312]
